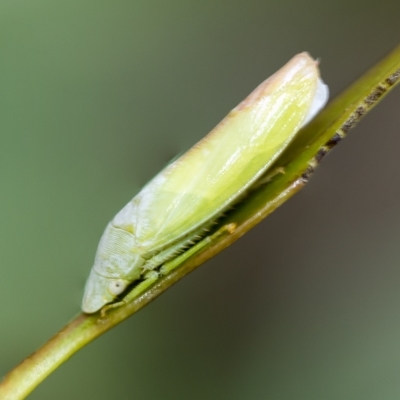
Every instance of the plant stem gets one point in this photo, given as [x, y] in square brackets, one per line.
[292, 171]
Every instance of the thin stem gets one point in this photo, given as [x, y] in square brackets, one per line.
[292, 171]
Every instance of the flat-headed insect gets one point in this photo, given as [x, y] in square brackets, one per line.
[191, 193]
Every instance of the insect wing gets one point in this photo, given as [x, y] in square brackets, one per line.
[212, 174]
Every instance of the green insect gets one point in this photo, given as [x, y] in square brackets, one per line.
[185, 198]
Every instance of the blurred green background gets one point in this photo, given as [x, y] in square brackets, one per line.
[96, 97]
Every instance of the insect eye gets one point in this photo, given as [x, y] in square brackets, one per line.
[117, 287]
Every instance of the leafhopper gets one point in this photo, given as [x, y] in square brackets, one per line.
[180, 203]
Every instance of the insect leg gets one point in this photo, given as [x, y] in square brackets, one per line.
[172, 252]
[149, 279]
[171, 265]
[152, 276]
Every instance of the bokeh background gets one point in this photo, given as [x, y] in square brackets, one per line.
[95, 98]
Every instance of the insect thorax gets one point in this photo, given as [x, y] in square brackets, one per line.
[115, 257]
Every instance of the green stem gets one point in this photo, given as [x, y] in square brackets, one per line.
[292, 171]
